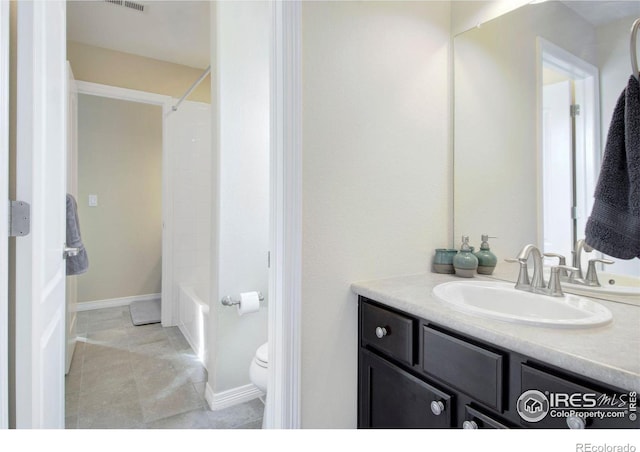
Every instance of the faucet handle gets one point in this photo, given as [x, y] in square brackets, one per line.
[523, 276]
[555, 289]
[562, 262]
[592, 277]
[561, 258]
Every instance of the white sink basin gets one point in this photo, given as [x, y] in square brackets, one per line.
[501, 301]
[612, 287]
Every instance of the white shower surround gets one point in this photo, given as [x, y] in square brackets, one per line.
[189, 139]
[193, 320]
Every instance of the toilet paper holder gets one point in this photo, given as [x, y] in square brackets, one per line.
[228, 301]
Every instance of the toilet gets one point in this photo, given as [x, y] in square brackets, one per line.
[259, 373]
[259, 369]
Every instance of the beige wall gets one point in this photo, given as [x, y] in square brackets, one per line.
[120, 160]
[376, 174]
[109, 67]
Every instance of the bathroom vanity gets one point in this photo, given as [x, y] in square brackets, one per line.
[424, 365]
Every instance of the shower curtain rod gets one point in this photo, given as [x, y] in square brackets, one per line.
[194, 86]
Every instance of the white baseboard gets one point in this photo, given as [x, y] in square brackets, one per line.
[225, 399]
[114, 302]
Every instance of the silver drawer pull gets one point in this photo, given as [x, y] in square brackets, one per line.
[469, 425]
[575, 422]
[437, 407]
[381, 332]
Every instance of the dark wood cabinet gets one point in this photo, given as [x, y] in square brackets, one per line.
[413, 373]
[396, 399]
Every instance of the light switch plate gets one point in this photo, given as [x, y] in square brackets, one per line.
[93, 200]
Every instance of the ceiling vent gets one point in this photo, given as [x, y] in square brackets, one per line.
[127, 4]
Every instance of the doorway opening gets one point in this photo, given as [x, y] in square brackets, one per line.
[120, 199]
[570, 146]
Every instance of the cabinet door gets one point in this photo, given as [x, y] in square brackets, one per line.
[389, 397]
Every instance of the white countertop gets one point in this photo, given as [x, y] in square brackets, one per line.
[609, 353]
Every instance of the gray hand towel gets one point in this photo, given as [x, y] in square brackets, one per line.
[614, 224]
[78, 264]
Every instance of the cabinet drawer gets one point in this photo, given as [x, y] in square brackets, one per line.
[388, 332]
[567, 398]
[477, 419]
[465, 366]
[392, 398]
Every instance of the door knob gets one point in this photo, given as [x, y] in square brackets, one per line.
[70, 252]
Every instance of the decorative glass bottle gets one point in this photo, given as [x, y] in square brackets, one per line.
[465, 263]
[486, 259]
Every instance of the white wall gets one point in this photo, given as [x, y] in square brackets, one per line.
[376, 174]
[243, 51]
[496, 111]
[189, 137]
[469, 14]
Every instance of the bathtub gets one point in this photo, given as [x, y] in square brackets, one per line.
[193, 320]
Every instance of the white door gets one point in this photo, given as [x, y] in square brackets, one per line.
[41, 181]
[4, 196]
[72, 188]
[557, 170]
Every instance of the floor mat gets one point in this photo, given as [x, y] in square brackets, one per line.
[144, 312]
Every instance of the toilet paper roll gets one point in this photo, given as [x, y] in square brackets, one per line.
[249, 302]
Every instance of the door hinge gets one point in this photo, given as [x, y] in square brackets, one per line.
[19, 218]
[575, 110]
[574, 213]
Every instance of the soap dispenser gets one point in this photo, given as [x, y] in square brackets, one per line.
[486, 259]
[465, 263]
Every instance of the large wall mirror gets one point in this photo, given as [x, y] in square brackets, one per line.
[534, 93]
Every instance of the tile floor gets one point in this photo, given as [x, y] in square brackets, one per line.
[125, 376]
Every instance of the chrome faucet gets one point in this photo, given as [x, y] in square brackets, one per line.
[592, 277]
[576, 261]
[537, 281]
[577, 276]
[537, 284]
[562, 264]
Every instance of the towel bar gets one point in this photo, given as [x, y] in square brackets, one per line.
[634, 39]
[228, 301]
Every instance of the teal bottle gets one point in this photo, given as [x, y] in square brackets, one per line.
[465, 263]
[486, 259]
[443, 261]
